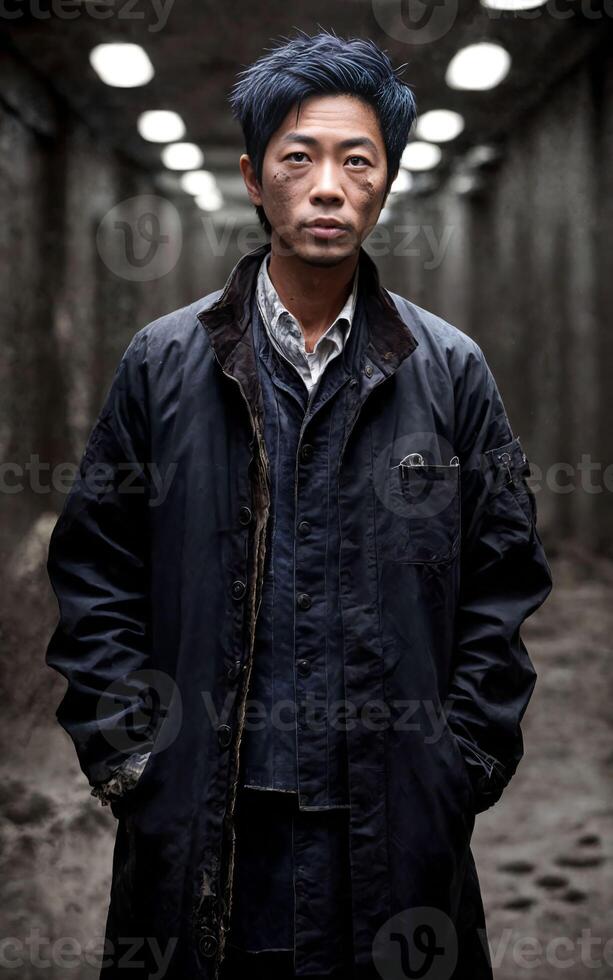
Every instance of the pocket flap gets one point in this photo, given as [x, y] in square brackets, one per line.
[507, 463]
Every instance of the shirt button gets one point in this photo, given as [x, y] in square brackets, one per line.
[208, 944]
[244, 515]
[306, 452]
[304, 600]
[304, 527]
[238, 589]
[304, 668]
[234, 670]
[224, 736]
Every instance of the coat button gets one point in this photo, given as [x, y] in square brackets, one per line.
[244, 515]
[234, 670]
[224, 736]
[306, 451]
[208, 944]
[368, 370]
[304, 668]
[238, 589]
[304, 527]
[304, 600]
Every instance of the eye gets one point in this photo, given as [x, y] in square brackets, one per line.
[362, 160]
[297, 153]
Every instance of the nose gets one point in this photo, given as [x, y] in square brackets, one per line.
[327, 188]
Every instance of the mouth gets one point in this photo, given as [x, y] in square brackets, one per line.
[325, 229]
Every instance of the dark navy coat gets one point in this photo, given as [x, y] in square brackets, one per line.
[157, 562]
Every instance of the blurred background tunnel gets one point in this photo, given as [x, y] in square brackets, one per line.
[121, 199]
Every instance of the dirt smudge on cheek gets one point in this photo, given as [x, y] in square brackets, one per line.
[282, 197]
[282, 186]
[372, 195]
[281, 176]
[369, 188]
[282, 183]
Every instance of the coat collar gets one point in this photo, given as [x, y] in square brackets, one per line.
[227, 322]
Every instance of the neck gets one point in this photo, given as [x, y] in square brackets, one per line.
[315, 295]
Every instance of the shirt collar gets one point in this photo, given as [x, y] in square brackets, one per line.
[284, 326]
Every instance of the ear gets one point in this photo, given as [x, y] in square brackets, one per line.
[251, 181]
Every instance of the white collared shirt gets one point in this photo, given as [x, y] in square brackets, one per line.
[286, 335]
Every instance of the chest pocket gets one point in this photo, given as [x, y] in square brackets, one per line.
[425, 499]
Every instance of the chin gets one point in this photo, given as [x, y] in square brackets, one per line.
[323, 261]
[318, 253]
[326, 253]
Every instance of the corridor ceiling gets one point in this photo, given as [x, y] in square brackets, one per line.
[197, 47]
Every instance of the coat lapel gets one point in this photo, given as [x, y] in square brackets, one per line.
[228, 324]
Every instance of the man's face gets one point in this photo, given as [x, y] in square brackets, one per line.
[330, 164]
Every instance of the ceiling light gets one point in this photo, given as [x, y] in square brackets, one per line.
[512, 4]
[478, 66]
[439, 125]
[161, 126]
[403, 182]
[198, 182]
[480, 156]
[464, 183]
[211, 200]
[420, 156]
[121, 65]
[182, 156]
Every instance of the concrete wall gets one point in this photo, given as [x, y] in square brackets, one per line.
[70, 299]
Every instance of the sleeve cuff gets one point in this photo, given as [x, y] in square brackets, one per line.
[124, 778]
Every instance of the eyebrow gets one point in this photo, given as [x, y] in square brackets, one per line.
[347, 144]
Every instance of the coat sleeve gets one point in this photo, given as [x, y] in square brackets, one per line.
[98, 566]
[505, 577]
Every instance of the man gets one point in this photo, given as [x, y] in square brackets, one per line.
[346, 543]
